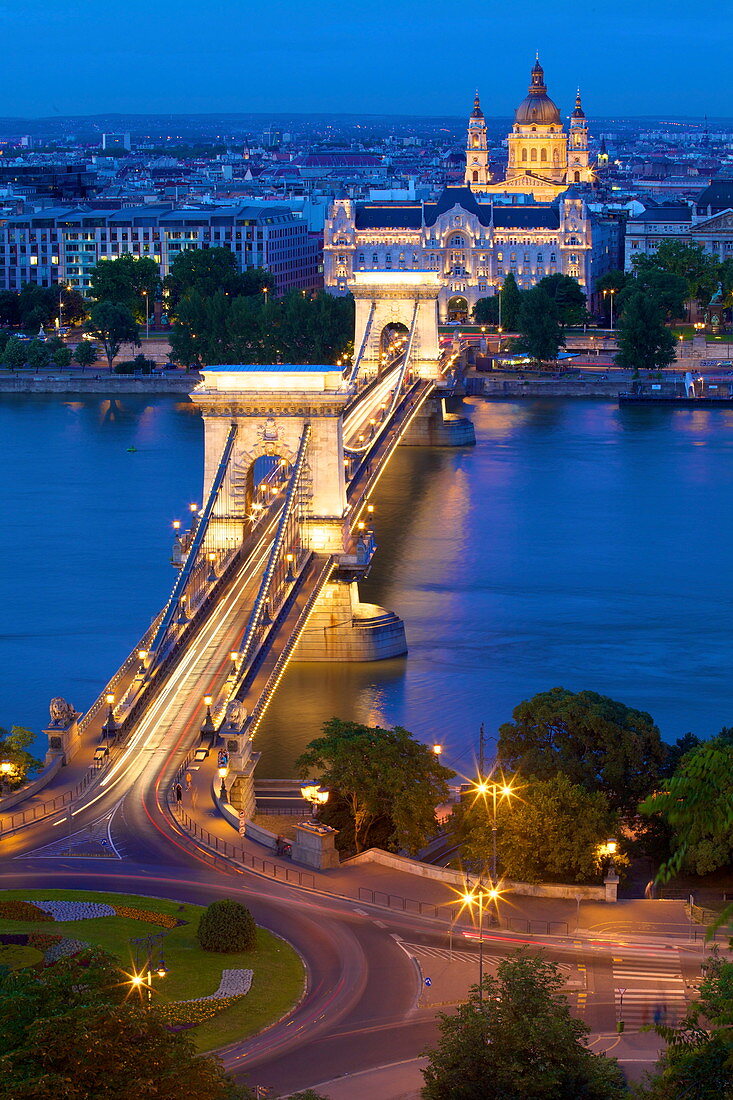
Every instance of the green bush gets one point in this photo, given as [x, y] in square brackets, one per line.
[228, 926]
[138, 365]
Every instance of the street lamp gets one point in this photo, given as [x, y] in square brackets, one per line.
[147, 316]
[223, 771]
[144, 948]
[212, 571]
[207, 727]
[110, 726]
[290, 576]
[611, 293]
[313, 793]
[478, 896]
[498, 792]
[437, 749]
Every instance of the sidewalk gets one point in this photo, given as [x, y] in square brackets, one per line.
[401, 891]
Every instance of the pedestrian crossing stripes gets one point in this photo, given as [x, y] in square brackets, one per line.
[462, 955]
[649, 994]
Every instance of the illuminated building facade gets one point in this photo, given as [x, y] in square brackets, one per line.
[544, 160]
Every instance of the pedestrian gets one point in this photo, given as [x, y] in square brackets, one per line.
[179, 794]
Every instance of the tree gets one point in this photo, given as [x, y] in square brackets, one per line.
[38, 355]
[126, 281]
[380, 772]
[698, 1061]
[67, 1034]
[14, 745]
[486, 311]
[85, 353]
[697, 803]
[567, 296]
[209, 271]
[511, 298]
[668, 290]
[539, 324]
[113, 325]
[597, 742]
[553, 829]
[37, 305]
[9, 308]
[518, 1042]
[73, 308]
[15, 353]
[690, 261]
[644, 343]
[61, 358]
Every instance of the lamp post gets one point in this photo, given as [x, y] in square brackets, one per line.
[610, 292]
[223, 772]
[144, 948]
[207, 726]
[478, 896]
[147, 315]
[498, 792]
[313, 793]
[6, 770]
[110, 726]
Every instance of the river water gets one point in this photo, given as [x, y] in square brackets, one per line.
[578, 544]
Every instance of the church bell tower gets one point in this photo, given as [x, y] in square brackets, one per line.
[579, 169]
[477, 151]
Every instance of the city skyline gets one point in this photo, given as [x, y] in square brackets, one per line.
[425, 65]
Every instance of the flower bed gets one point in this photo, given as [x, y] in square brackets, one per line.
[75, 910]
[15, 909]
[162, 919]
[182, 1014]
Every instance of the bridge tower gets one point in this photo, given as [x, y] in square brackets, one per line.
[386, 302]
[271, 406]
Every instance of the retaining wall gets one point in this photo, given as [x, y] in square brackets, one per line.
[106, 384]
[43, 778]
[456, 878]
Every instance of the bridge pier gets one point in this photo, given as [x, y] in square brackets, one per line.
[434, 426]
[341, 628]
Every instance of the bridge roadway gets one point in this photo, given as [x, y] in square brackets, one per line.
[363, 1004]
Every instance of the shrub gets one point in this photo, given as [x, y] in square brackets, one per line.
[138, 365]
[15, 957]
[228, 926]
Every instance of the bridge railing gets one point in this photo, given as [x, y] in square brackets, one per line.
[11, 822]
[364, 343]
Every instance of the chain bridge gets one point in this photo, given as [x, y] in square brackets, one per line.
[269, 569]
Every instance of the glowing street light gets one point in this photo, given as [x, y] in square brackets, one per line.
[498, 792]
[313, 792]
[437, 749]
[478, 897]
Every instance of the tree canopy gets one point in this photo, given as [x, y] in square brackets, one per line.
[698, 268]
[541, 335]
[126, 281]
[210, 271]
[486, 311]
[567, 296]
[519, 1042]
[297, 328]
[113, 325]
[14, 746]
[511, 299]
[644, 342]
[68, 1033]
[697, 803]
[552, 829]
[380, 773]
[597, 742]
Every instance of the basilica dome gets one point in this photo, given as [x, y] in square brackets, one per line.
[537, 107]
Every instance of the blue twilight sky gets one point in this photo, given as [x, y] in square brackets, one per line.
[383, 56]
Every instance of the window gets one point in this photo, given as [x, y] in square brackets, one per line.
[375, 258]
[457, 242]
[539, 258]
[552, 258]
[500, 257]
[543, 156]
[513, 257]
[573, 259]
[524, 156]
[361, 257]
[475, 177]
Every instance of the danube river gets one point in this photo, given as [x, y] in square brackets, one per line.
[577, 544]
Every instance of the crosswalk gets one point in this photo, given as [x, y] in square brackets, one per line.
[649, 992]
[469, 956]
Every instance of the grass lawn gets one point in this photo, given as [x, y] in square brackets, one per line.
[279, 974]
